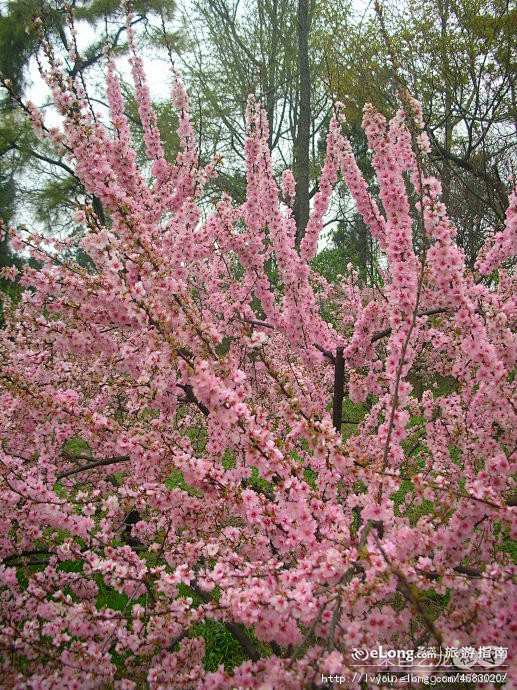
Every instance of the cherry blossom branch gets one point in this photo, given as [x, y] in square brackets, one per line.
[426, 312]
[92, 465]
[191, 398]
[235, 629]
[407, 592]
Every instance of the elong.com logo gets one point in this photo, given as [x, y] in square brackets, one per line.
[464, 657]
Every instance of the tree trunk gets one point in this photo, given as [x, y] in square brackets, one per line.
[448, 124]
[270, 71]
[339, 390]
[301, 202]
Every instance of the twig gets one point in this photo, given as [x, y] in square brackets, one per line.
[236, 629]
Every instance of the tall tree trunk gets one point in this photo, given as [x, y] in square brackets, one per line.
[448, 124]
[270, 83]
[301, 202]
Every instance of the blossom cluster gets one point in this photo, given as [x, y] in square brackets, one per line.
[168, 454]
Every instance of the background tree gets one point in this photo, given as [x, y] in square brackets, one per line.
[459, 58]
[42, 189]
[264, 47]
[10, 124]
[302, 140]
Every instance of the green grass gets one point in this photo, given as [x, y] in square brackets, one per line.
[413, 512]
[510, 547]
[77, 446]
[221, 647]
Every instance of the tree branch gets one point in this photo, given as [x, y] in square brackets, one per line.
[191, 398]
[236, 629]
[426, 312]
[92, 465]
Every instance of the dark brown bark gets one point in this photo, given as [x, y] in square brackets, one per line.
[92, 465]
[447, 138]
[270, 82]
[339, 390]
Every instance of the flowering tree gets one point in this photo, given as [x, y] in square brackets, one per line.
[172, 421]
